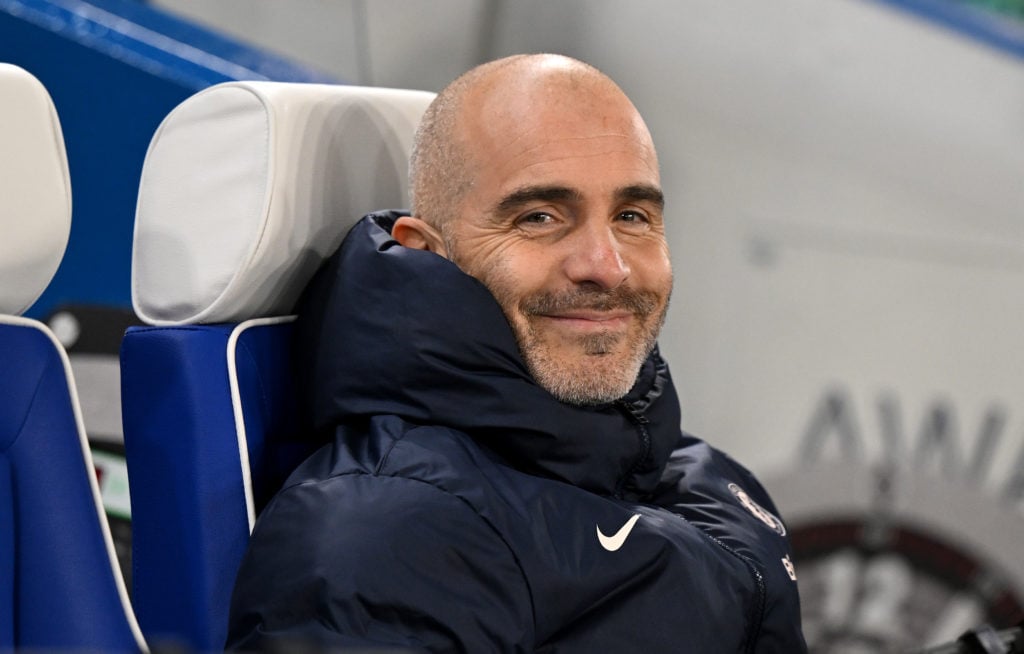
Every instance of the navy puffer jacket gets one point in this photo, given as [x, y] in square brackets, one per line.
[460, 508]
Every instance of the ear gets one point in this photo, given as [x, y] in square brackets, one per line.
[417, 234]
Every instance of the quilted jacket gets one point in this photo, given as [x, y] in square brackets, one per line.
[459, 507]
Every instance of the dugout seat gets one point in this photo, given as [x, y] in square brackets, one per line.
[60, 585]
[246, 188]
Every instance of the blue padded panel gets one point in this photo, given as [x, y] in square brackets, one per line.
[188, 503]
[65, 593]
[190, 525]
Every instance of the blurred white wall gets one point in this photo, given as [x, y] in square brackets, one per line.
[398, 43]
[845, 193]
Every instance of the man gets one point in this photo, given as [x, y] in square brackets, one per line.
[506, 471]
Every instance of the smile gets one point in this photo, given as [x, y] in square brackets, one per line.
[588, 320]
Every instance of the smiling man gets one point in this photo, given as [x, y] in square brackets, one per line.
[506, 470]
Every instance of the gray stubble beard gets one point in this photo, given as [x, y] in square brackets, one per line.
[579, 386]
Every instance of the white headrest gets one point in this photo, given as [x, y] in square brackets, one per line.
[248, 186]
[35, 190]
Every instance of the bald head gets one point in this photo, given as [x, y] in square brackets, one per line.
[481, 104]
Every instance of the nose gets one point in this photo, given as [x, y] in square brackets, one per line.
[595, 257]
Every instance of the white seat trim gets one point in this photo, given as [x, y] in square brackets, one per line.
[236, 406]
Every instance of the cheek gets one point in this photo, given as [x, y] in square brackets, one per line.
[511, 282]
[516, 271]
[653, 271]
[500, 279]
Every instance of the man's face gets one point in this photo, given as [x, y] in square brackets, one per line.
[563, 223]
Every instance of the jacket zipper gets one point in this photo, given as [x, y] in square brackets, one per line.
[640, 420]
[757, 619]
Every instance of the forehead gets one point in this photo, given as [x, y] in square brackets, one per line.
[562, 130]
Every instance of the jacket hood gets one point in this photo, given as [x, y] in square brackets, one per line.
[388, 330]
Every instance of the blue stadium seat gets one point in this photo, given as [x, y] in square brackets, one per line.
[60, 584]
[246, 188]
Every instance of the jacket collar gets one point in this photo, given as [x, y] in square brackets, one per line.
[385, 329]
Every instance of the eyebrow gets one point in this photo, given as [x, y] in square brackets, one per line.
[528, 194]
[642, 193]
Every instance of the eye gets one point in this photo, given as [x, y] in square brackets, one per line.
[633, 219]
[536, 218]
[538, 221]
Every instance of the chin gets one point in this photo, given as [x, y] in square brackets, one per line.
[590, 383]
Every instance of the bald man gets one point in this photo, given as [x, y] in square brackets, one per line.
[506, 470]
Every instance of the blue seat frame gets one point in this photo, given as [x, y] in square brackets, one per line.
[210, 434]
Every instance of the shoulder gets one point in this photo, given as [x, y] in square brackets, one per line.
[353, 514]
[396, 482]
[390, 446]
[697, 464]
[389, 559]
[717, 494]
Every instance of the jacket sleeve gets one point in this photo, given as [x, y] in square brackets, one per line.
[697, 486]
[781, 631]
[371, 560]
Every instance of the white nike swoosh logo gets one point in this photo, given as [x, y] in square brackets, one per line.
[614, 542]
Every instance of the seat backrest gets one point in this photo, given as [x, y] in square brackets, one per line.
[60, 584]
[246, 188]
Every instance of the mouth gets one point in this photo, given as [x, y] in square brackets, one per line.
[588, 314]
[588, 320]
